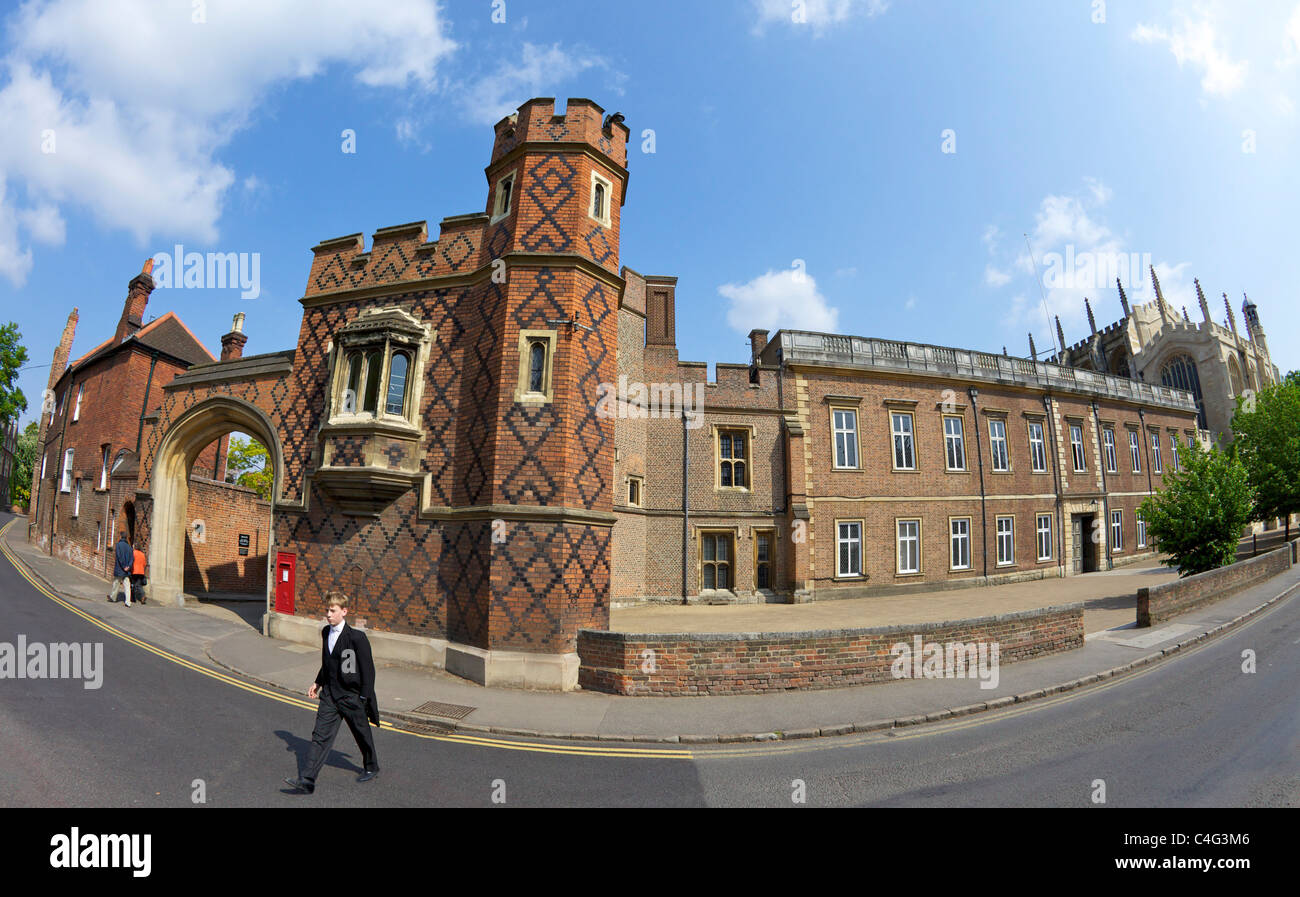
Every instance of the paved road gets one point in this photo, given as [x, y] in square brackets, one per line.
[1194, 730]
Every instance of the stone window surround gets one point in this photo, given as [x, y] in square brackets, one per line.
[969, 554]
[842, 405]
[862, 527]
[997, 538]
[498, 212]
[606, 219]
[749, 431]
[898, 547]
[523, 394]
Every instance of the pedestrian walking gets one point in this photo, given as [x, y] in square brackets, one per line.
[138, 580]
[346, 686]
[123, 561]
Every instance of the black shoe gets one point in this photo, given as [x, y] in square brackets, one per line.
[368, 776]
[301, 786]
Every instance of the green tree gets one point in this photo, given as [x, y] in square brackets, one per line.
[20, 478]
[12, 357]
[1198, 517]
[1266, 430]
[249, 464]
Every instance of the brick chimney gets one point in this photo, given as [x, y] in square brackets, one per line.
[58, 365]
[137, 297]
[660, 317]
[757, 343]
[232, 344]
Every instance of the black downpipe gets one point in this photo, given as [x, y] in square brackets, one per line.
[1146, 451]
[1105, 490]
[686, 510]
[979, 453]
[1056, 480]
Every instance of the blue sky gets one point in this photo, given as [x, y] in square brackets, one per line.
[800, 176]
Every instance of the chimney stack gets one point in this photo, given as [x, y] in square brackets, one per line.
[757, 343]
[232, 344]
[137, 297]
[660, 317]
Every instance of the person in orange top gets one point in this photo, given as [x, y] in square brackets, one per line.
[138, 580]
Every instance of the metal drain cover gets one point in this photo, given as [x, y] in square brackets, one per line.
[446, 711]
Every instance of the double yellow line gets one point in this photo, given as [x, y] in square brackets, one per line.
[480, 741]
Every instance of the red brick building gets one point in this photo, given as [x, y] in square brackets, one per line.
[487, 438]
[91, 429]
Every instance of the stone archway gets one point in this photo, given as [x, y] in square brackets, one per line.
[194, 431]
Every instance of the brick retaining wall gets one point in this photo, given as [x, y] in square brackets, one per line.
[1155, 604]
[750, 663]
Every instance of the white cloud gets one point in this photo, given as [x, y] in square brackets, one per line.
[777, 299]
[816, 13]
[1078, 255]
[493, 96]
[995, 277]
[1197, 44]
[45, 224]
[408, 134]
[1291, 38]
[139, 100]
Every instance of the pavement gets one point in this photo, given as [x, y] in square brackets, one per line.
[224, 635]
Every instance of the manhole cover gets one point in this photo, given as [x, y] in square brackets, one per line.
[447, 711]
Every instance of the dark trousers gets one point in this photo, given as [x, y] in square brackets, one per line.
[333, 707]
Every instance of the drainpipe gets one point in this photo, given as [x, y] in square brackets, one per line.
[979, 452]
[686, 512]
[144, 407]
[1056, 480]
[1105, 490]
[1146, 452]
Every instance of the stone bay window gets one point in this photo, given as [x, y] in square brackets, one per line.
[371, 439]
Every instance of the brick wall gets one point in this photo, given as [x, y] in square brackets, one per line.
[726, 664]
[1155, 604]
[214, 564]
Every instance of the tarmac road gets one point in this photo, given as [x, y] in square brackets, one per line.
[1194, 730]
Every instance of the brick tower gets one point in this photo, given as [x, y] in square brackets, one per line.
[474, 507]
[555, 191]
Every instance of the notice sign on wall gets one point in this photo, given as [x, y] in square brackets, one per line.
[243, 543]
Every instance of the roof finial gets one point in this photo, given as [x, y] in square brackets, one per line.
[1123, 299]
[1232, 319]
[1060, 333]
[1200, 297]
[1092, 321]
[1160, 297]
[1033, 350]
